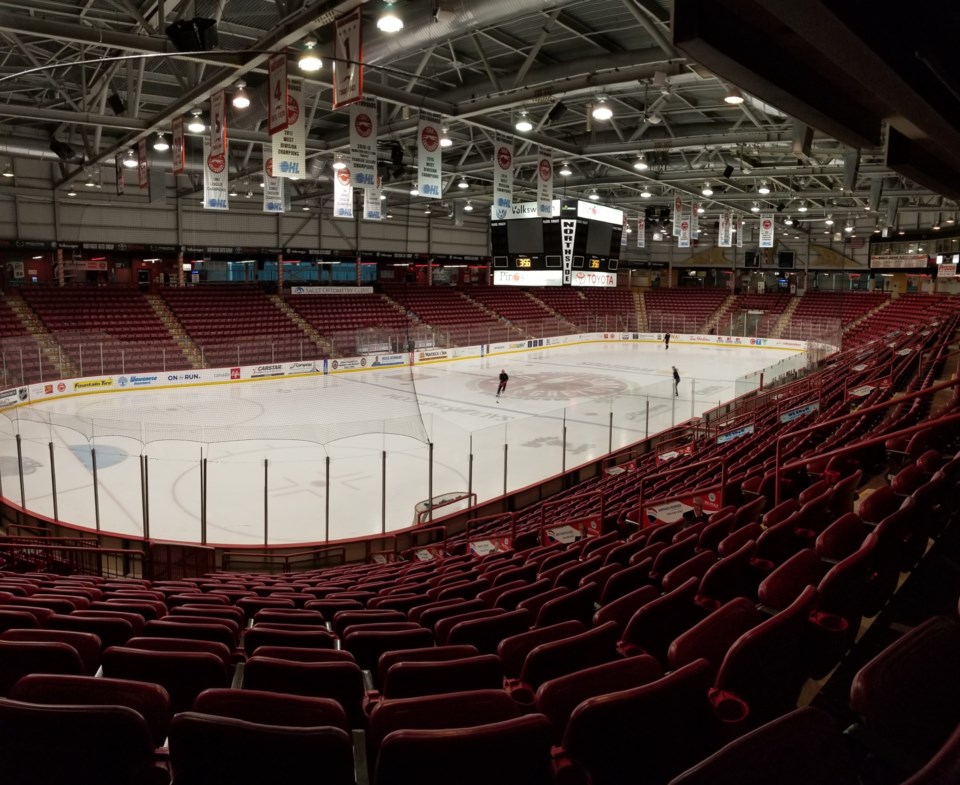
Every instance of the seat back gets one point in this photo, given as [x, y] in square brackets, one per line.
[578, 604]
[652, 628]
[621, 609]
[19, 658]
[513, 651]
[426, 654]
[258, 636]
[549, 660]
[710, 638]
[486, 633]
[191, 630]
[110, 630]
[184, 675]
[219, 650]
[412, 679]
[366, 646]
[271, 708]
[86, 644]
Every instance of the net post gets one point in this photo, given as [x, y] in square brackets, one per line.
[563, 451]
[23, 495]
[96, 487]
[326, 523]
[470, 467]
[53, 481]
[610, 430]
[505, 450]
[430, 480]
[383, 492]
[144, 496]
[646, 427]
[693, 396]
[266, 502]
[203, 501]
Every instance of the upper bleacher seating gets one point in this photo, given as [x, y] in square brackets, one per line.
[682, 310]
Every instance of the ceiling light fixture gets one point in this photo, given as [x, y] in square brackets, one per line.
[641, 163]
[645, 193]
[594, 195]
[389, 22]
[701, 209]
[233, 192]
[71, 192]
[463, 183]
[468, 207]
[848, 228]
[339, 163]
[90, 183]
[130, 160]
[240, 98]
[305, 208]
[310, 61]
[936, 224]
[445, 140]
[764, 188]
[755, 208]
[565, 170]
[196, 125]
[828, 220]
[803, 207]
[249, 194]
[160, 144]
[8, 171]
[788, 221]
[414, 192]
[523, 124]
[733, 96]
[601, 111]
[707, 190]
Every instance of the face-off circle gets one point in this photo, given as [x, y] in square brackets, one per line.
[558, 386]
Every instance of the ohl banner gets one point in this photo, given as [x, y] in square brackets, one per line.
[215, 180]
[695, 218]
[363, 143]
[372, 205]
[502, 177]
[725, 236]
[677, 210]
[277, 94]
[766, 230]
[739, 228]
[290, 145]
[641, 232]
[143, 165]
[118, 168]
[568, 232]
[347, 59]
[177, 149]
[429, 163]
[342, 194]
[218, 123]
[272, 186]
[545, 185]
[683, 224]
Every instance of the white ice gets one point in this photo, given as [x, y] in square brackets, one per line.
[555, 414]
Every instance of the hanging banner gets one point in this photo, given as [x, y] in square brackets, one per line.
[272, 186]
[545, 185]
[677, 210]
[277, 94]
[177, 149]
[429, 164]
[502, 177]
[342, 194]
[683, 239]
[143, 171]
[215, 181]
[725, 235]
[118, 164]
[641, 232]
[739, 228]
[372, 204]
[694, 218]
[218, 123]
[568, 232]
[290, 145]
[347, 59]
[766, 230]
[363, 143]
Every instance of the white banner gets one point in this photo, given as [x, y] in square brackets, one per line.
[177, 147]
[277, 94]
[218, 123]
[545, 185]
[582, 278]
[503, 177]
[429, 164]
[683, 224]
[947, 271]
[766, 230]
[677, 210]
[347, 59]
[527, 278]
[290, 145]
[739, 226]
[372, 209]
[568, 232]
[641, 232]
[272, 186]
[118, 169]
[363, 143]
[694, 218]
[725, 235]
[215, 180]
[143, 165]
[342, 194]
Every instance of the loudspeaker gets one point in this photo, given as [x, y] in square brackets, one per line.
[557, 112]
[116, 104]
[728, 171]
[62, 150]
[196, 35]
[780, 206]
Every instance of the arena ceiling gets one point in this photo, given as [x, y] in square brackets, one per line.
[835, 118]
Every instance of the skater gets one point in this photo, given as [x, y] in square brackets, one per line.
[666, 341]
[503, 383]
[676, 381]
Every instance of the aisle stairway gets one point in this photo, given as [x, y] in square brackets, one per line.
[785, 317]
[176, 330]
[52, 356]
[325, 348]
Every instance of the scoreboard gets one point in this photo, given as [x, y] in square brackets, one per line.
[579, 245]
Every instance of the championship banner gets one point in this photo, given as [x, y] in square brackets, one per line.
[347, 59]
[218, 123]
[290, 145]
[545, 185]
[143, 164]
[215, 180]
[641, 232]
[429, 163]
[177, 147]
[277, 94]
[568, 231]
[677, 210]
[372, 209]
[739, 224]
[342, 194]
[502, 177]
[272, 186]
[118, 166]
[766, 230]
[363, 143]
[694, 218]
[725, 235]
[683, 239]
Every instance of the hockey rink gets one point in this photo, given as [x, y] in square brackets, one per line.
[303, 459]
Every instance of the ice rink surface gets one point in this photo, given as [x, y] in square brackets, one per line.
[267, 443]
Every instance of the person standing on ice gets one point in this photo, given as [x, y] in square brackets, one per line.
[504, 378]
[666, 341]
[676, 381]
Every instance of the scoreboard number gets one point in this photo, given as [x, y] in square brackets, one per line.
[524, 262]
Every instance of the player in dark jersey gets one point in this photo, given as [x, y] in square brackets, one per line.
[666, 341]
[503, 383]
[676, 381]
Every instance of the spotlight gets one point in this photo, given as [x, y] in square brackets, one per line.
[468, 207]
[641, 163]
[240, 99]
[389, 22]
[594, 195]
[523, 124]
[645, 193]
[196, 125]
[310, 61]
[445, 140]
[463, 183]
[803, 207]
[414, 192]
[338, 163]
[755, 208]
[788, 221]
[602, 111]
[733, 96]
[764, 188]
[707, 190]
[565, 170]
[160, 145]
[130, 160]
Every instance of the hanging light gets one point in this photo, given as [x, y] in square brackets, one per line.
[463, 183]
[90, 183]
[339, 163]
[707, 190]
[310, 61]
[389, 22]
[383, 197]
[788, 221]
[249, 194]
[849, 227]
[950, 218]
[594, 195]
[803, 207]
[645, 193]
[602, 110]
[196, 124]
[71, 192]
[468, 207]
[445, 140]
[565, 170]
[233, 192]
[701, 209]
[523, 124]
[755, 208]
[240, 98]
[8, 171]
[733, 96]
[130, 160]
[414, 192]
[160, 144]
[764, 188]
[641, 163]
[936, 224]
[427, 210]
[305, 208]
[828, 220]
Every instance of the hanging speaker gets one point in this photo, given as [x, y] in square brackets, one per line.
[116, 104]
[195, 35]
[728, 171]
